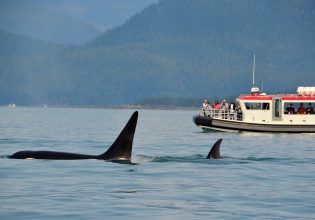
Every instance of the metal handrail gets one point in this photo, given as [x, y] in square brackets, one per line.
[222, 114]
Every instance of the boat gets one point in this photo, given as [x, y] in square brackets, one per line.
[261, 112]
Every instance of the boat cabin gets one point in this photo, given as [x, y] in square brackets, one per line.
[277, 108]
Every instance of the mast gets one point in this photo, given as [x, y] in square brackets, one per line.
[254, 90]
[254, 72]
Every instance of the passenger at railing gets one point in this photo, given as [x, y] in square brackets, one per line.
[224, 105]
[204, 104]
[239, 112]
[216, 108]
[224, 109]
[232, 108]
[309, 109]
[290, 109]
[216, 105]
[206, 107]
[301, 109]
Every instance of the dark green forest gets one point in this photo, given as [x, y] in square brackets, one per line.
[172, 53]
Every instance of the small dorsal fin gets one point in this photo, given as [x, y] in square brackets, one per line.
[122, 147]
[215, 150]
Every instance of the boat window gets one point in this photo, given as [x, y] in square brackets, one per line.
[299, 108]
[257, 106]
[247, 105]
[265, 106]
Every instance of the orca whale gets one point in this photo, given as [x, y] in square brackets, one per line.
[120, 151]
[214, 153]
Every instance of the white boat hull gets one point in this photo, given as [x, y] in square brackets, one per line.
[210, 123]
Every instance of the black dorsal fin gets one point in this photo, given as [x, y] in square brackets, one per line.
[215, 150]
[122, 147]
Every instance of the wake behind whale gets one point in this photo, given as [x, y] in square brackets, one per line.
[214, 153]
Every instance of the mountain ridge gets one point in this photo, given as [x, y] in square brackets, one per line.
[34, 20]
[174, 49]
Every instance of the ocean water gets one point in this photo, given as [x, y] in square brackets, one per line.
[261, 176]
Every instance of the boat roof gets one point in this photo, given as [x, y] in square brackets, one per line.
[289, 97]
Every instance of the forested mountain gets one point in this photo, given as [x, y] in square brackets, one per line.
[29, 69]
[174, 49]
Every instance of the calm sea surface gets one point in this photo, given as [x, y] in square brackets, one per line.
[262, 176]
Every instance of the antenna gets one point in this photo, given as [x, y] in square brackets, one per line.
[254, 72]
[254, 90]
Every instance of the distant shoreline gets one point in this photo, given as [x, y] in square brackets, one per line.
[135, 107]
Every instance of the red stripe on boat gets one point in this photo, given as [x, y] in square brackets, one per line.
[253, 97]
[297, 98]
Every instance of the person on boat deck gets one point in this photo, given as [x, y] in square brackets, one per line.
[239, 113]
[206, 107]
[216, 105]
[309, 109]
[224, 105]
[290, 109]
[301, 109]
[224, 108]
[232, 107]
[205, 103]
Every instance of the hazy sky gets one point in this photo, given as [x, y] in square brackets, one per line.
[66, 21]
